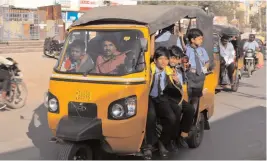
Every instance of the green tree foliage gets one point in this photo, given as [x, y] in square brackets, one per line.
[219, 8]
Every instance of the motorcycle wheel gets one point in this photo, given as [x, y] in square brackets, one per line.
[49, 53]
[249, 70]
[19, 95]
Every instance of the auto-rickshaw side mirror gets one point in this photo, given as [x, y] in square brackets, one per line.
[143, 42]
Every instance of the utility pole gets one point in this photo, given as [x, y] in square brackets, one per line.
[259, 9]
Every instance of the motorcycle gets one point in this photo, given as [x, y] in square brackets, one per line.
[250, 61]
[17, 94]
[52, 47]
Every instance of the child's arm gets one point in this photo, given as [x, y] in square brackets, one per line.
[206, 58]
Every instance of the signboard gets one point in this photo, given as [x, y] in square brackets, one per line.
[86, 5]
[65, 3]
[80, 14]
[72, 16]
[69, 5]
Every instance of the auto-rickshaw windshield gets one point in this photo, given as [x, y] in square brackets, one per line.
[103, 52]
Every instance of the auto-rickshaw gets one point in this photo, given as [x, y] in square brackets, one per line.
[89, 112]
[230, 31]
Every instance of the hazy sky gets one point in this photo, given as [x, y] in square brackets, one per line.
[33, 3]
[27, 3]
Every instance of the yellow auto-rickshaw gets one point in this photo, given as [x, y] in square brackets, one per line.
[219, 31]
[89, 112]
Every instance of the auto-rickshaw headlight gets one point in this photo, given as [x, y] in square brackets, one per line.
[117, 111]
[249, 54]
[123, 108]
[51, 103]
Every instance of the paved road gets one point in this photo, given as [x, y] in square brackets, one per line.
[238, 127]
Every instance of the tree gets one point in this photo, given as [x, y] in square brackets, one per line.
[219, 8]
[254, 19]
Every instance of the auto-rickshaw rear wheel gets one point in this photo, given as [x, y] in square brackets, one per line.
[75, 151]
[196, 134]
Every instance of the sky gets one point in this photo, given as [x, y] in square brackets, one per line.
[28, 3]
[35, 3]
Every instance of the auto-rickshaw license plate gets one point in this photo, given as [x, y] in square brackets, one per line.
[83, 96]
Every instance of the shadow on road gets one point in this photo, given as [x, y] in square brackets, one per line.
[39, 133]
[242, 84]
[238, 136]
[250, 96]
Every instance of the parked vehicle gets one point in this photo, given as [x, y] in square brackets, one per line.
[17, 94]
[52, 47]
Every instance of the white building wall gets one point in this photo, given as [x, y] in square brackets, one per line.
[6, 2]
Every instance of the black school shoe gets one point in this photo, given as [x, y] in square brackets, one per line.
[172, 147]
[182, 142]
[147, 151]
[162, 150]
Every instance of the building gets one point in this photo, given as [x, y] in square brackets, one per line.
[37, 19]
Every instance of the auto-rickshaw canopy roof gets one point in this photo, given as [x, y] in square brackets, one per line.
[226, 30]
[155, 16]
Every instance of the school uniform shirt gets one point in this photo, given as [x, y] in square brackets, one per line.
[202, 54]
[163, 84]
[228, 53]
[180, 77]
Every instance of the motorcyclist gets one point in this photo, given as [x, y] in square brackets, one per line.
[5, 78]
[252, 44]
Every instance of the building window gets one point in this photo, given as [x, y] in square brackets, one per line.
[56, 29]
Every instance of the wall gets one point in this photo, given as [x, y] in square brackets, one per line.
[15, 29]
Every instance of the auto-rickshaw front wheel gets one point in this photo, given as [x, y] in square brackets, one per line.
[75, 151]
[196, 134]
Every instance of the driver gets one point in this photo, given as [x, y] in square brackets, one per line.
[252, 44]
[110, 61]
[5, 78]
[227, 52]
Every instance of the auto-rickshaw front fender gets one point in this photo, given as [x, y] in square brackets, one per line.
[79, 128]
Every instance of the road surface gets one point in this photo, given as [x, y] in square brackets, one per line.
[238, 127]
